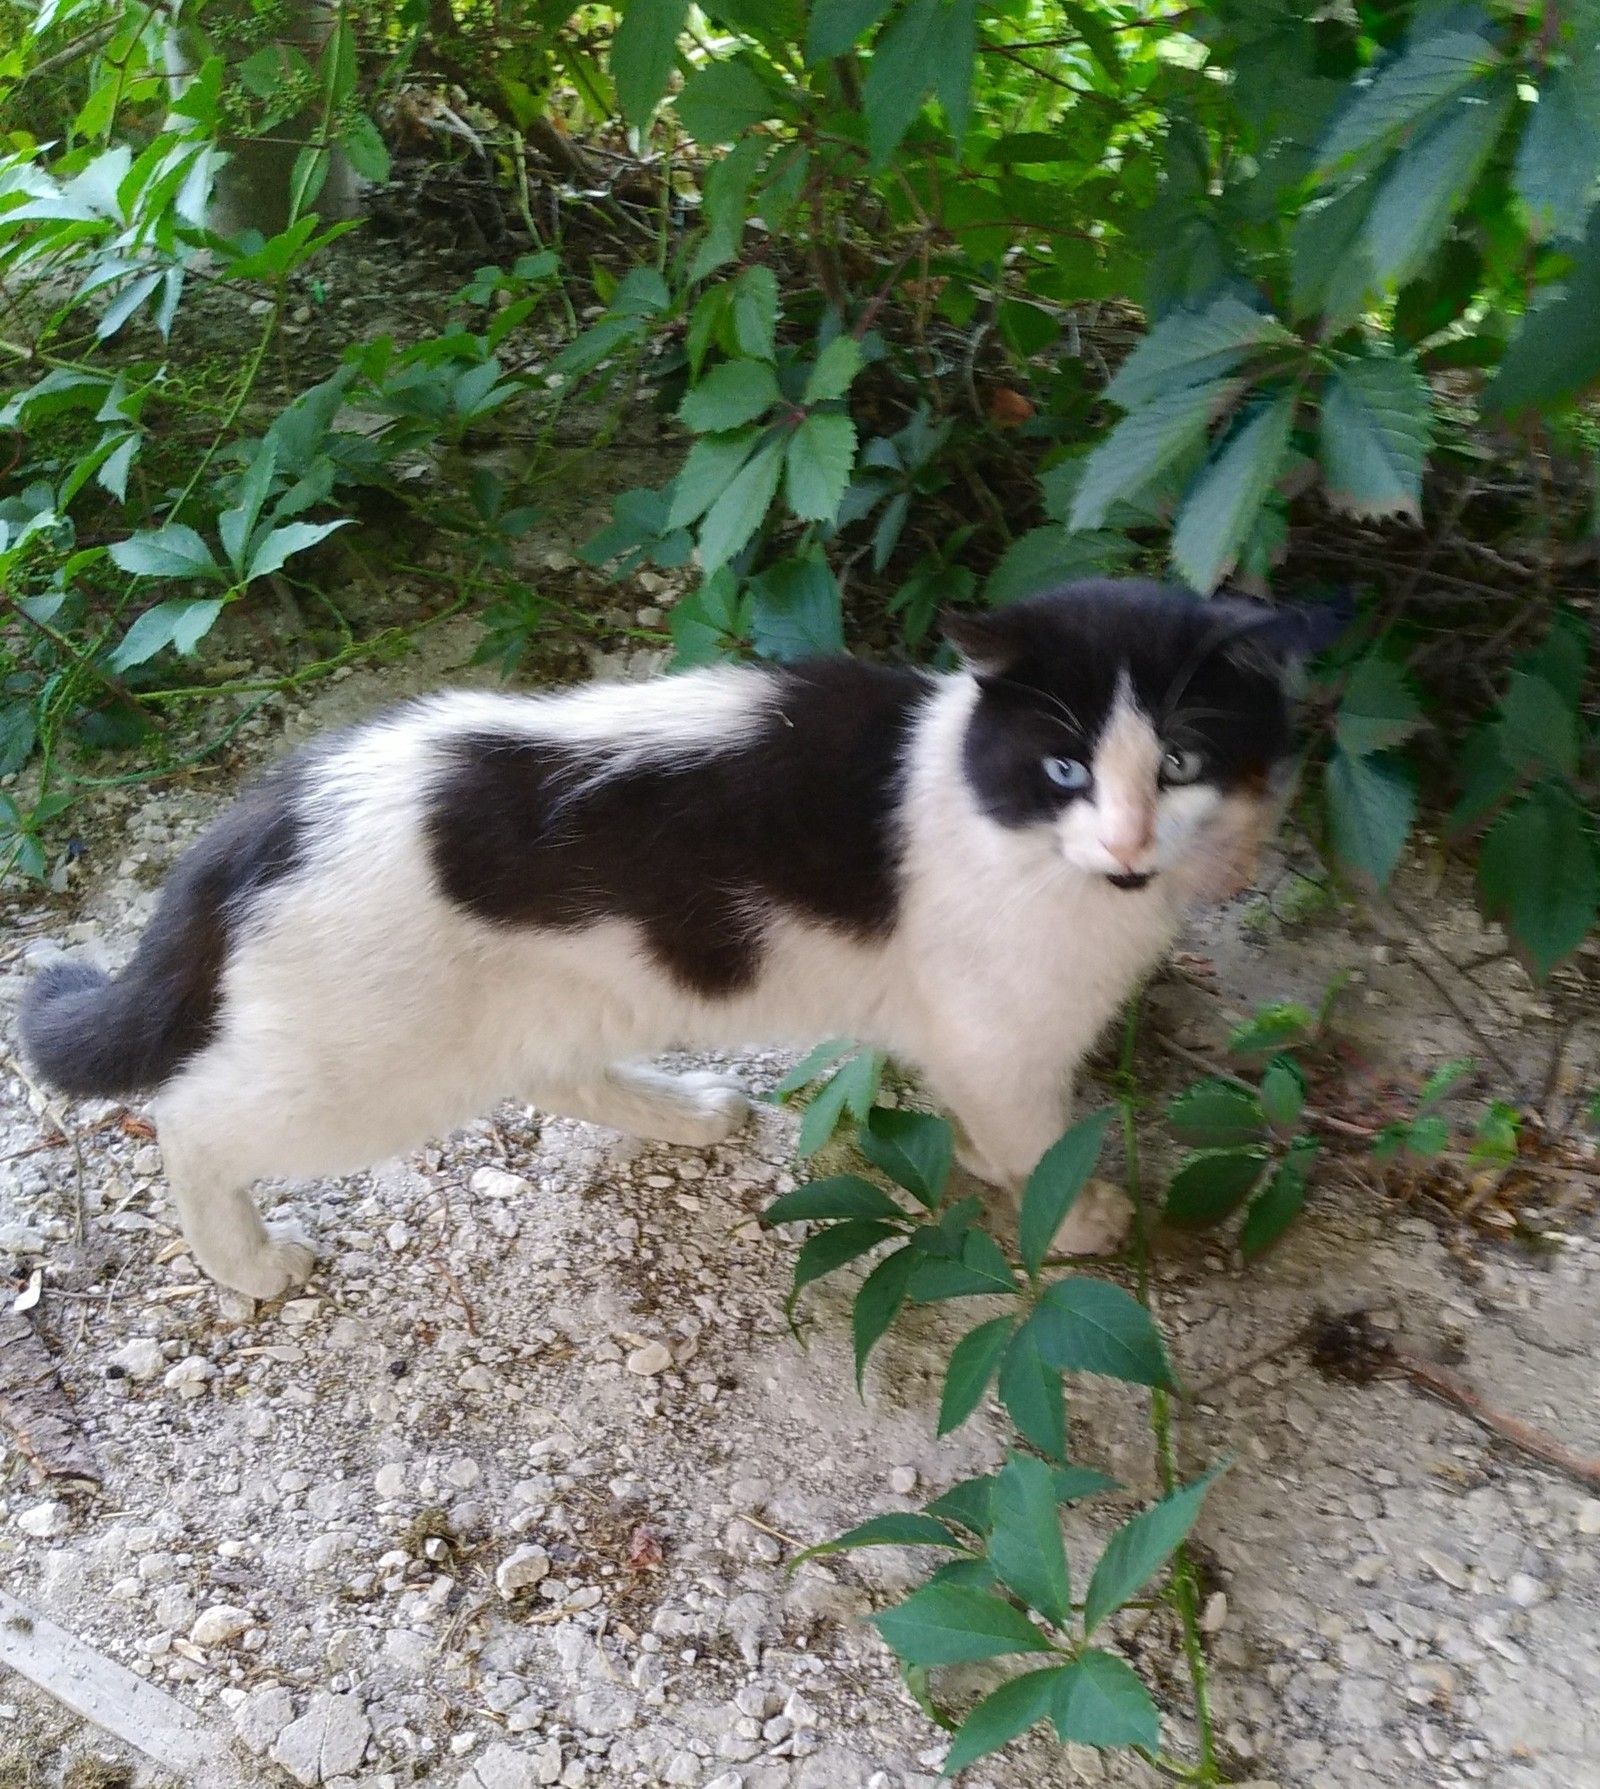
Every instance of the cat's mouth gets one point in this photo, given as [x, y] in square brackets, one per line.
[1132, 879]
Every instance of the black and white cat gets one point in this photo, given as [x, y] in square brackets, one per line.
[478, 896]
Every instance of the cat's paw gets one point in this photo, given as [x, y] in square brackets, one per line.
[714, 1106]
[283, 1262]
[1098, 1223]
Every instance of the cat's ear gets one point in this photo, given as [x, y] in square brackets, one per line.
[1286, 637]
[987, 642]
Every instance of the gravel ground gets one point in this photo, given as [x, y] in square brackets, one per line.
[507, 1496]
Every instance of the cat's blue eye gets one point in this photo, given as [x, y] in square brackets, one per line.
[1179, 767]
[1067, 773]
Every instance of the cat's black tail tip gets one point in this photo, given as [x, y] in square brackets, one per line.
[64, 1031]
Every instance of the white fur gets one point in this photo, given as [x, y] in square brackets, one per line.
[364, 1013]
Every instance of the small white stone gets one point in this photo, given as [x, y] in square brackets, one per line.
[496, 1183]
[463, 1472]
[139, 1359]
[219, 1624]
[1589, 1516]
[1215, 1613]
[390, 1481]
[652, 1358]
[903, 1480]
[521, 1570]
[1525, 1590]
[398, 1236]
[301, 1310]
[262, 1716]
[190, 1376]
[327, 1741]
[44, 1521]
[476, 1378]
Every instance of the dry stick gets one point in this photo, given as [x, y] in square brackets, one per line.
[1455, 1390]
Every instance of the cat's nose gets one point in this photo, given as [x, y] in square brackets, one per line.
[1128, 841]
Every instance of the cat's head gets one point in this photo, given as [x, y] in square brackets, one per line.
[1147, 727]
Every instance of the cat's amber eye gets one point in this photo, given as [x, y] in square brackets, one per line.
[1070, 774]
[1179, 767]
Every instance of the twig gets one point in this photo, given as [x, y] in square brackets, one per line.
[1455, 1390]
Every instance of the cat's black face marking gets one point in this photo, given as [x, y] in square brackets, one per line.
[696, 849]
[1207, 673]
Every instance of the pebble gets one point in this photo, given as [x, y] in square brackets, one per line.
[44, 1521]
[521, 1570]
[140, 1359]
[329, 1740]
[652, 1358]
[1589, 1516]
[502, 1767]
[262, 1716]
[903, 1480]
[390, 1481]
[219, 1624]
[1444, 1567]
[497, 1183]
[190, 1376]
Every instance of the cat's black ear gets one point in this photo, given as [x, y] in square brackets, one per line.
[987, 642]
[1289, 635]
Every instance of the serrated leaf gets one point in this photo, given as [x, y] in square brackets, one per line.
[896, 1529]
[733, 393]
[981, 1271]
[1139, 1549]
[365, 149]
[1098, 1700]
[1558, 157]
[973, 1361]
[835, 370]
[711, 465]
[1031, 1390]
[1426, 73]
[1538, 727]
[944, 1624]
[852, 1088]
[837, 1247]
[723, 101]
[795, 610]
[904, 60]
[1555, 354]
[878, 1304]
[1283, 1091]
[811, 1065]
[1428, 180]
[914, 1149]
[1144, 444]
[1371, 804]
[1374, 434]
[822, 451]
[644, 53]
[1221, 507]
[1378, 708]
[1216, 1113]
[174, 551]
[181, 625]
[754, 308]
[1539, 871]
[1054, 1185]
[1025, 1546]
[19, 731]
[741, 508]
[1278, 1205]
[1002, 1715]
[280, 544]
[1092, 1326]
[1046, 558]
[836, 26]
[838, 1196]
[1209, 1184]
[1192, 347]
[1333, 270]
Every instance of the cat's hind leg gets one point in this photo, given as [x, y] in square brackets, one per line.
[697, 1106]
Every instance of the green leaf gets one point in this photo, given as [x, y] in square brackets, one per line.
[914, 1149]
[19, 730]
[1539, 871]
[755, 312]
[897, 1529]
[1538, 727]
[234, 526]
[741, 508]
[1283, 1091]
[1139, 1549]
[1031, 1390]
[364, 149]
[1375, 428]
[712, 464]
[878, 1304]
[822, 451]
[1222, 504]
[981, 1271]
[644, 53]
[1371, 804]
[835, 370]
[838, 1196]
[1053, 1186]
[1333, 270]
[973, 1361]
[954, 63]
[837, 1247]
[1045, 558]
[178, 624]
[1215, 1113]
[1426, 73]
[904, 60]
[1208, 1185]
[1429, 179]
[1025, 1546]
[811, 1065]
[731, 394]
[1378, 708]
[1443, 1078]
[1280, 1025]
[852, 1088]
[269, 553]
[1091, 1326]
[1428, 1135]
[1192, 347]
[1144, 444]
[1556, 352]
[967, 1502]
[1558, 158]
[1002, 1715]
[946, 1625]
[795, 610]
[723, 101]
[836, 26]
[1098, 1700]
[174, 551]
[1279, 1204]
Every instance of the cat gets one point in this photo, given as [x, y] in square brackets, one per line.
[477, 896]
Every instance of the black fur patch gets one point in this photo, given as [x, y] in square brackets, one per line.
[696, 850]
[1208, 673]
[90, 1034]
